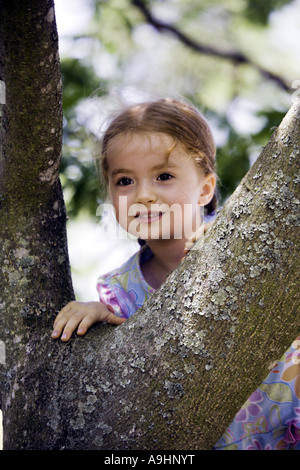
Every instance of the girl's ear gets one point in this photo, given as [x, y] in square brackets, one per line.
[207, 189]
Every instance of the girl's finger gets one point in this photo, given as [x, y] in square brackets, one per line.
[66, 325]
[113, 319]
[65, 311]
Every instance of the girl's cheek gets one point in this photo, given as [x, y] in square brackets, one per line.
[120, 205]
[116, 206]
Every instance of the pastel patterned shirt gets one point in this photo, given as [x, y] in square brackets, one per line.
[125, 288]
[270, 418]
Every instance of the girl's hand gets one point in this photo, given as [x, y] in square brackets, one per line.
[195, 237]
[82, 315]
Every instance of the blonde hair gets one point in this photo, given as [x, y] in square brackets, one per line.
[182, 122]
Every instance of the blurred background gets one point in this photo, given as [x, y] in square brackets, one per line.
[236, 60]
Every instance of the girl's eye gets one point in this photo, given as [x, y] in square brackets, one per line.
[165, 177]
[124, 181]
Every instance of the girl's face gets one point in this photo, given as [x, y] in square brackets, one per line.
[156, 187]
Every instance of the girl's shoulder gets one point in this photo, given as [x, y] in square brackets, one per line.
[125, 288]
[131, 269]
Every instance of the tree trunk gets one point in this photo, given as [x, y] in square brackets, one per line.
[174, 375]
[34, 274]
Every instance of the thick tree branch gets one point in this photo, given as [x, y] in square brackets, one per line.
[237, 58]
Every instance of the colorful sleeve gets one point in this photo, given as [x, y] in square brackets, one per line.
[108, 296]
[270, 418]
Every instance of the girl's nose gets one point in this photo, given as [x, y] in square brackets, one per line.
[145, 194]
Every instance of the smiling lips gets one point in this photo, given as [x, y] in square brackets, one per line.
[148, 217]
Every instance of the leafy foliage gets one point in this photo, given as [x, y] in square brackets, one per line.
[258, 11]
[81, 184]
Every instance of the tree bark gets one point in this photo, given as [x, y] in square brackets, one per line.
[34, 274]
[174, 375]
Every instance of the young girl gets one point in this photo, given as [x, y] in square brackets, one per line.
[158, 161]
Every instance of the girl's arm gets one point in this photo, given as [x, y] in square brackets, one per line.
[82, 315]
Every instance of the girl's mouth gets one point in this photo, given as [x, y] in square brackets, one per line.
[148, 217]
